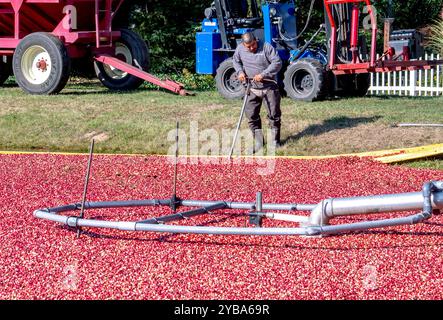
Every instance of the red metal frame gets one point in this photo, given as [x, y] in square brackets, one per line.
[93, 36]
[22, 17]
[116, 63]
[373, 65]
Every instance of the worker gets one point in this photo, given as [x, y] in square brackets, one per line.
[260, 63]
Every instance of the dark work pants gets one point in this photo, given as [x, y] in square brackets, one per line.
[272, 101]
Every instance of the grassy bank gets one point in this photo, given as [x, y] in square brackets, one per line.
[139, 122]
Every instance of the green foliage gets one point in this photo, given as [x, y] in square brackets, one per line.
[411, 14]
[191, 81]
[436, 36]
[170, 28]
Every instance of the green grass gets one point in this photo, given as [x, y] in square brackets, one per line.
[426, 164]
[139, 122]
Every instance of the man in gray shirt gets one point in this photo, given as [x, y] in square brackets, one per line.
[260, 63]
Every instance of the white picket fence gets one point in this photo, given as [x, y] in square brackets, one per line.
[409, 83]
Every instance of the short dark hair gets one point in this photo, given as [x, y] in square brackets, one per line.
[248, 37]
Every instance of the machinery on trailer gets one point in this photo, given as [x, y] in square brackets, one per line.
[341, 66]
[40, 38]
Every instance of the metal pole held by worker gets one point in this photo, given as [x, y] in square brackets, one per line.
[242, 113]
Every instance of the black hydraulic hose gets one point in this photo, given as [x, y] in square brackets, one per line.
[308, 20]
[308, 43]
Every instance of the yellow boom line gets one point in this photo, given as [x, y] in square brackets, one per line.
[384, 156]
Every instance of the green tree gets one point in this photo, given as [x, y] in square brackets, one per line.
[170, 28]
[411, 14]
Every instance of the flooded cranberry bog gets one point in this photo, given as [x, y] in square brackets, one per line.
[45, 260]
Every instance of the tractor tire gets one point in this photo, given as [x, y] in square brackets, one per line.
[351, 85]
[345, 85]
[132, 49]
[41, 64]
[362, 84]
[306, 80]
[227, 82]
[5, 69]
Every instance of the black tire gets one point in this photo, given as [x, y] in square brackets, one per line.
[306, 80]
[345, 85]
[5, 69]
[227, 82]
[41, 44]
[134, 51]
[351, 85]
[362, 84]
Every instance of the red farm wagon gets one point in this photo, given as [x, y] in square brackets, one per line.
[40, 38]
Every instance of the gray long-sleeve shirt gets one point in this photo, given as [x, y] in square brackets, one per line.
[265, 61]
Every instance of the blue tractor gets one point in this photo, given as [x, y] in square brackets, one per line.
[305, 75]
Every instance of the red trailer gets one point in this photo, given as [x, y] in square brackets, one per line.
[39, 39]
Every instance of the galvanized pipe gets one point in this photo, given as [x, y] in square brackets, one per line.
[251, 205]
[303, 231]
[366, 225]
[185, 215]
[331, 208]
[432, 125]
[192, 203]
[384, 203]
[430, 198]
[127, 204]
[259, 202]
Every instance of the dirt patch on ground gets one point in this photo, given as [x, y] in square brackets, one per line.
[375, 137]
[197, 114]
[98, 137]
[365, 137]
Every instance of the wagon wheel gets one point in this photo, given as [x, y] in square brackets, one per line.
[132, 49]
[5, 69]
[41, 64]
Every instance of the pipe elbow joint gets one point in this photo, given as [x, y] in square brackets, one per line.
[322, 213]
[428, 189]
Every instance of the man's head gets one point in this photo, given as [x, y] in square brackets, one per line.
[250, 42]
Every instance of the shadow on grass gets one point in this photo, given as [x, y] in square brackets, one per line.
[92, 87]
[336, 123]
[95, 90]
[86, 91]
[392, 97]
[10, 85]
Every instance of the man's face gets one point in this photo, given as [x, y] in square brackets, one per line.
[251, 47]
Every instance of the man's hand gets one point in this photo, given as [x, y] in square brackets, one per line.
[258, 78]
[242, 77]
